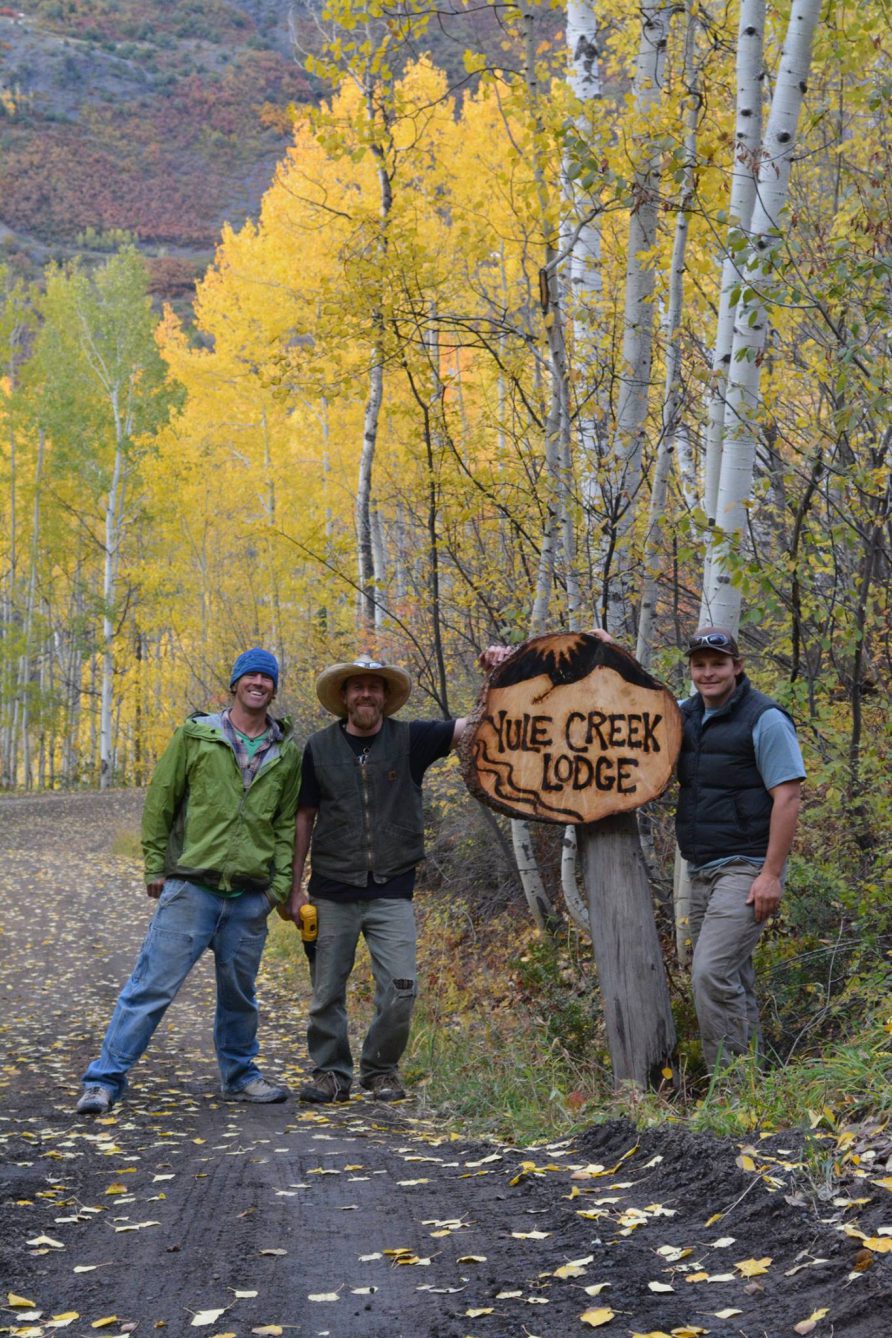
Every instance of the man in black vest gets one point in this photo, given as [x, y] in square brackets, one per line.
[740, 772]
[360, 806]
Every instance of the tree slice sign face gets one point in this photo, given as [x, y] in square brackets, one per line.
[570, 729]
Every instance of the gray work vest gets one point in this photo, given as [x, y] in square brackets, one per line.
[724, 808]
[370, 818]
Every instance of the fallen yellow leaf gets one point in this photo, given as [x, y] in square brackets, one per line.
[574, 1268]
[19, 1301]
[753, 1268]
[104, 1323]
[484, 1310]
[595, 1318]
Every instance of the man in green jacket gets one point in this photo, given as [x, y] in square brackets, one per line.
[218, 838]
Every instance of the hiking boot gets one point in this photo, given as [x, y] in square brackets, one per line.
[324, 1087]
[259, 1092]
[384, 1086]
[95, 1100]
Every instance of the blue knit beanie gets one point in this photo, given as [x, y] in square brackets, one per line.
[255, 661]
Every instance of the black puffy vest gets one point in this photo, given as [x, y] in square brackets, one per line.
[724, 808]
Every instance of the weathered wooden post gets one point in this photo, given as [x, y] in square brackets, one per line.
[569, 729]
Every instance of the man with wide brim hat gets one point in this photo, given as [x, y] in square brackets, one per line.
[397, 684]
[361, 819]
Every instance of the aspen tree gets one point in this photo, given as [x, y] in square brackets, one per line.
[16, 319]
[744, 173]
[672, 406]
[761, 246]
[622, 480]
[104, 387]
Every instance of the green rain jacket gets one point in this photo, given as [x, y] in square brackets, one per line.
[201, 824]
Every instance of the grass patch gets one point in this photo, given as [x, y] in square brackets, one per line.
[494, 1080]
[126, 844]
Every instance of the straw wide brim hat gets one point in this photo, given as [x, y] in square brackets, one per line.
[332, 679]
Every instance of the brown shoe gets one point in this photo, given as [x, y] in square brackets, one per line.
[384, 1086]
[325, 1087]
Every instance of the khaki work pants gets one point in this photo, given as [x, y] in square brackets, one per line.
[724, 933]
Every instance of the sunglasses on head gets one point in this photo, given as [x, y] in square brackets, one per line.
[714, 640]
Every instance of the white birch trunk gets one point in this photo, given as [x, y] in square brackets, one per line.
[625, 472]
[672, 386]
[114, 507]
[365, 554]
[379, 564]
[747, 143]
[368, 617]
[584, 274]
[535, 894]
[9, 717]
[722, 600]
[576, 905]
[688, 477]
[26, 662]
[268, 502]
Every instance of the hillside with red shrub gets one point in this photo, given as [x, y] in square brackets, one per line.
[142, 117]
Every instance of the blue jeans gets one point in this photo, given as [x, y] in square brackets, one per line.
[388, 924]
[186, 922]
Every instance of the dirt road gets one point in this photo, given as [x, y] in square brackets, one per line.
[179, 1213]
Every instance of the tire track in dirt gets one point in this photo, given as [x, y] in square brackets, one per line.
[177, 1201]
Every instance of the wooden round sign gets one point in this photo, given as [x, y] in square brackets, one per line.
[570, 729]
